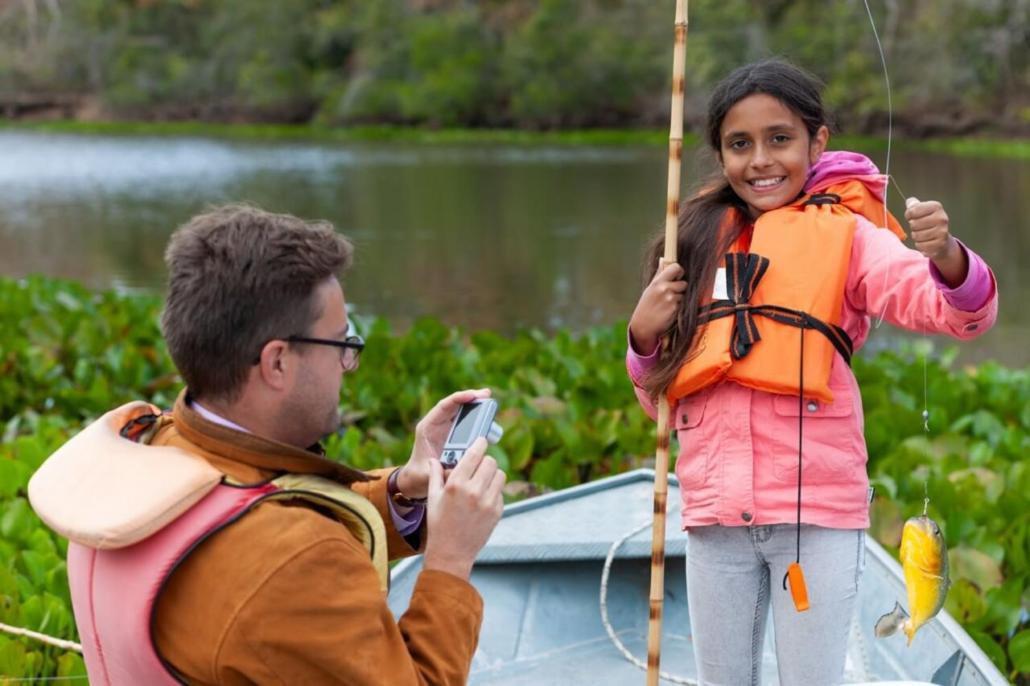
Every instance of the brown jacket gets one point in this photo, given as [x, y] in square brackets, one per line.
[286, 595]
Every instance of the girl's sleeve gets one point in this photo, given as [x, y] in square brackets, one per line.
[637, 366]
[887, 277]
[973, 293]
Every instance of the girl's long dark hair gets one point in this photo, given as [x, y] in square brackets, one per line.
[700, 243]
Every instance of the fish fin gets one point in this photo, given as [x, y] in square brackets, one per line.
[889, 624]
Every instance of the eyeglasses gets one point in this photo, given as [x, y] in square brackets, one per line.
[350, 348]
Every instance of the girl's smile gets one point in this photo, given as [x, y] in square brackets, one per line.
[766, 152]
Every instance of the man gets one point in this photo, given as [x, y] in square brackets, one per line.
[274, 571]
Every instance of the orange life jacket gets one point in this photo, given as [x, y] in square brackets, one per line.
[787, 287]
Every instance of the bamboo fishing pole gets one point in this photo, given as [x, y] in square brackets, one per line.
[661, 467]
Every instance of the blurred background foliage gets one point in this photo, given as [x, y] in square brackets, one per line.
[957, 66]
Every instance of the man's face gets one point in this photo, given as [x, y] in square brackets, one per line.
[312, 406]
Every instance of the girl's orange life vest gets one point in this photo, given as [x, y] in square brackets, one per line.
[789, 283]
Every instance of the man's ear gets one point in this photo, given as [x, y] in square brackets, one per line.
[273, 364]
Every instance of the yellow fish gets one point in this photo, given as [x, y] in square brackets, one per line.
[924, 559]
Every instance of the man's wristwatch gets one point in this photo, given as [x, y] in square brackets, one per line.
[394, 491]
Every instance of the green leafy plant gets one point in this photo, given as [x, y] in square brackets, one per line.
[68, 354]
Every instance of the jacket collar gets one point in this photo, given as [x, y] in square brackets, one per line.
[255, 451]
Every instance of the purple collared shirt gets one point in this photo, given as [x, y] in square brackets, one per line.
[405, 524]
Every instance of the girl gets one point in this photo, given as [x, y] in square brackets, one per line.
[781, 265]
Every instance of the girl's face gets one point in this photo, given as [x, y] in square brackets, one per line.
[766, 152]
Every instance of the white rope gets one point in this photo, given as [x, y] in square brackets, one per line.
[58, 642]
[37, 679]
[604, 611]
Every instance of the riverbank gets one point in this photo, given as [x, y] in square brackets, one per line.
[1016, 148]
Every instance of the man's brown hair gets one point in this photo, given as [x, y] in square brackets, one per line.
[239, 277]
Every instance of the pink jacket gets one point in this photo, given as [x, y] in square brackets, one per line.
[738, 458]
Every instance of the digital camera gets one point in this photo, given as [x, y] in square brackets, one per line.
[473, 420]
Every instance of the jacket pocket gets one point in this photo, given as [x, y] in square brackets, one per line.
[829, 452]
[692, 461]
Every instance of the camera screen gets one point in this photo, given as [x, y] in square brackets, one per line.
[463, 424]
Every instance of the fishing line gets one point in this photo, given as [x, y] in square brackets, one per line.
[894, 180]
[889, 178]
[890, 137]
[926, 392]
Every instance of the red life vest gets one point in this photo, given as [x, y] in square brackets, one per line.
[159, 504]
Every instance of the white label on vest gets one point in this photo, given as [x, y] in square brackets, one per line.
[720, 292]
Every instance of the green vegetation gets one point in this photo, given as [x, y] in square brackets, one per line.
[530, 64]
[67, 355]
[974, 467]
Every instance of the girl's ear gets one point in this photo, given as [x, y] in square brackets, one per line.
[818, 145]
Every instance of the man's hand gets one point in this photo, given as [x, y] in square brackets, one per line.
[930, 233]
[462, 512]
[430, 434]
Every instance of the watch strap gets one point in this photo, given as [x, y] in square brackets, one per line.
[394, 491]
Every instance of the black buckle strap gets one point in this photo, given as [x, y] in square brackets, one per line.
[135, 428]
[743, 272]
[822, 199]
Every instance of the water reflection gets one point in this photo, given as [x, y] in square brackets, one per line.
[496, 237]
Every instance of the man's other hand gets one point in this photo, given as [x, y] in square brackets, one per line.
[463, 511]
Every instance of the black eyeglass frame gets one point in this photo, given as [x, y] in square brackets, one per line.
[352, 342]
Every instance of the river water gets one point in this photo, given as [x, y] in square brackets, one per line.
[488, 237]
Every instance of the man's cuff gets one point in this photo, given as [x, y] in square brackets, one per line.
[408, 522]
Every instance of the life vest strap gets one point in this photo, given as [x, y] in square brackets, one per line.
[743, 272]
[820, 199]
[745, 332]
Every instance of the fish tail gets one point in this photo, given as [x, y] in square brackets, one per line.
[889, 624]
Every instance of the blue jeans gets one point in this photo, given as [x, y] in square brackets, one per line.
[732, 575]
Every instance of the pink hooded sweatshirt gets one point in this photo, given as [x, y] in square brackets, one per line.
[738, 459]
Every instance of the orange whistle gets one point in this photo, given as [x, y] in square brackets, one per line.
[798, 590]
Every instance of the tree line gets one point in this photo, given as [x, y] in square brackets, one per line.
[956, 66]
